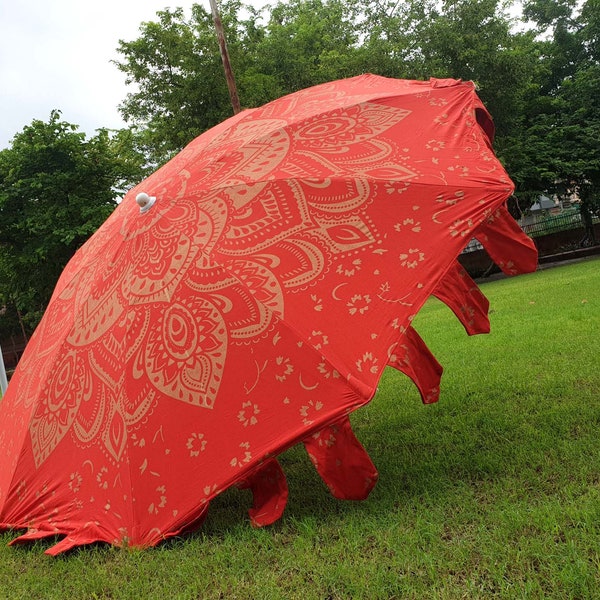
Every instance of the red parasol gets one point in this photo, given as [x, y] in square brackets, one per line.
[250, 300]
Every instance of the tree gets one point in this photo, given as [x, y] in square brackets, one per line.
[475, 41]
[56, 188]
[177, 71]
[308, 42]
[558, 151]
[176, 67]
[538, 83]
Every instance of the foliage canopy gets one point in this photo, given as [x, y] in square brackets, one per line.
[56, 189]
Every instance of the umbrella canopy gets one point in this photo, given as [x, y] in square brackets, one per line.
[250, 300]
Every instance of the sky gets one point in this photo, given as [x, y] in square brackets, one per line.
[55, 54]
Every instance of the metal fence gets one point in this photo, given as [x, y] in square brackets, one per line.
[543, 226]
[554, 223]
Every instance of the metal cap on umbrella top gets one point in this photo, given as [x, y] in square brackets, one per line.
[245, 297]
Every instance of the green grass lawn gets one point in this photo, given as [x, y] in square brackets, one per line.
[492, 493]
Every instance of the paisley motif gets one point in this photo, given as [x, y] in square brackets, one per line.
[57, 407]
[185, 352]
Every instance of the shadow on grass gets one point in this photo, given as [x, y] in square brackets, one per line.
[423, 458]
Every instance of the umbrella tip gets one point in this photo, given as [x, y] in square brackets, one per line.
[145, 202]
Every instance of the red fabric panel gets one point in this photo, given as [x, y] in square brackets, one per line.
[341, 461]
[270, 492]
[412, 357]
[88, 534]
[460, 293]
[507, 244]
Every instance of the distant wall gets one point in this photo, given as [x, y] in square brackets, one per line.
[562, 240]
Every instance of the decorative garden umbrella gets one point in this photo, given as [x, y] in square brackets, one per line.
[250, 300]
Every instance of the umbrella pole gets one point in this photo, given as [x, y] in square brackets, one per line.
[3, 379]
[233, 95]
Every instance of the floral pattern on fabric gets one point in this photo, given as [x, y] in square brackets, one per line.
[252, 307]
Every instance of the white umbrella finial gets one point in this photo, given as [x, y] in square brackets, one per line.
[145, 202]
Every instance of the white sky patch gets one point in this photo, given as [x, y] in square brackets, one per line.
[55, 54]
